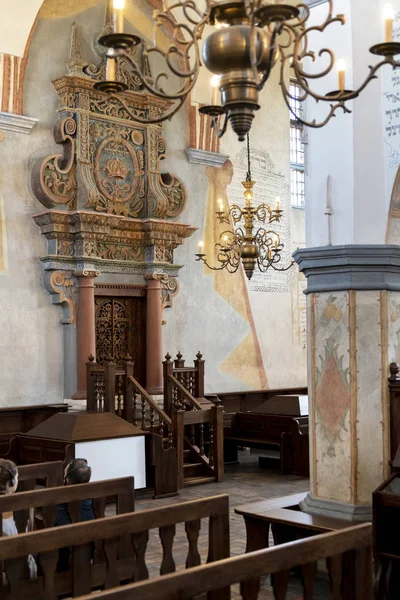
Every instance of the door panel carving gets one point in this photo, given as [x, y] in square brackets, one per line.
[121, 330]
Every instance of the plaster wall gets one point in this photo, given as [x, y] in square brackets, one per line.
[247, 337]
[353, 149]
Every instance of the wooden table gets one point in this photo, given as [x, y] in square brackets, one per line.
[288, 522]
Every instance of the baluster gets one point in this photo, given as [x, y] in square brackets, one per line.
[211, 447]
[139, 541]
[143, 413]
[192, 435]
[48, 563]
[201, 427]
[308, 575]
[335, 569]
[111, 554]
[167, 534]
[119, 396]
[280, 583]
[161, 426]
[170, 437]
[192, 529]
[152, 418]
[134, 407]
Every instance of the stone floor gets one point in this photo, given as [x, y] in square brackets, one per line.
[244, 483]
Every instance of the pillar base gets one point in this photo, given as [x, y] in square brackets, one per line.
[336, 510]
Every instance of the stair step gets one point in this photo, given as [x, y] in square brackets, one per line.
[193, 470]
[189, 481]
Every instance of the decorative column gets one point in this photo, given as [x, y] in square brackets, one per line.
[154, 371]
[85, 326]
[353, 335]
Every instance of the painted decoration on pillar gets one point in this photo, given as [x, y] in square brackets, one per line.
[331, 396]
[394, 327]
[332, 372]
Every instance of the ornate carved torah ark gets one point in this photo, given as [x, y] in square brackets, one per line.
[109, 209]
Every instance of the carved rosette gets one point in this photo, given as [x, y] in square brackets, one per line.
[62, 286]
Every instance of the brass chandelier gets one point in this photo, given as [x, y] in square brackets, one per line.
[250, 39]
[250, 243]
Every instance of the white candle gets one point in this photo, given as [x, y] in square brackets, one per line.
[225, 240]
[221, 205]
[201, 247]
[119, 6]
[341, 67]
[388, 15]
[110, 69]
[215, 81]
[278, 201]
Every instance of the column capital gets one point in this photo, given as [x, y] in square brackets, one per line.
[350, 267]
[89, 273]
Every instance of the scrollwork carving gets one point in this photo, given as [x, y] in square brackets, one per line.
[54, 179]
[62, 286]
[169, 289]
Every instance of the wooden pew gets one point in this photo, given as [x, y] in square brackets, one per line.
[72, 495]
[111, 567]
[20, 419]
[51, 474]
[350, 549]
[288, 435]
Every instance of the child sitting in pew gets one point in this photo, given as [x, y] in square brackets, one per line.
[8, 485]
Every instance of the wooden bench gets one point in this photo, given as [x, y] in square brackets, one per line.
[49, 474]
[349, 561]
[288, 435]
[285, 518]
[110, 567]
[72, 495]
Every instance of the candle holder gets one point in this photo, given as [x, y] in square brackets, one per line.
[342, 95]
[110, 87]
[212, 110]
[386, 49]
[119, 41]
[275, 13]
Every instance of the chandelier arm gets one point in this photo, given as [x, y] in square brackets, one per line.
[164, 117]
[236, 213]
[262, 211]
[276, 32]
[204, 260]
[219, 131]
[182, 94]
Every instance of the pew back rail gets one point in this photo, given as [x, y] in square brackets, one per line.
[111, 568]
[349, 561]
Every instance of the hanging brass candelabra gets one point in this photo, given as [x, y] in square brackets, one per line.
[247, 243]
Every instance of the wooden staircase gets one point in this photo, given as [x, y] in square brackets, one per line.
[184, 441]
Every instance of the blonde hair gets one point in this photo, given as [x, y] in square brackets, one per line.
[8, 474]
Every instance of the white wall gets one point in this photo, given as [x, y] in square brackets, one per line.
[351, 149]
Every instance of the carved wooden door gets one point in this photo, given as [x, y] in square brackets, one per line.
[121, 330]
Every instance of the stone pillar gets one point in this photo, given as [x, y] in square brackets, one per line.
[353, 303]
[85, 328]
[154, 370]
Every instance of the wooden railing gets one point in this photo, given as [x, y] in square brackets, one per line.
[161, 448]
[108, 389]
[347, 552]
[191, 378]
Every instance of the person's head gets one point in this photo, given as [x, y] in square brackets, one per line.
[77, 471]
[8, 476]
